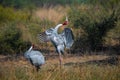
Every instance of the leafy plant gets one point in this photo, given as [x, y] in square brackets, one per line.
[10, 40]
[94, 26]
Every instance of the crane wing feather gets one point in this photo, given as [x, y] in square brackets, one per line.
[45, 36]
[68, 37]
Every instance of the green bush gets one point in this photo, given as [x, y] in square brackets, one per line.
[95, 22]
[10, 40]
[8, 15]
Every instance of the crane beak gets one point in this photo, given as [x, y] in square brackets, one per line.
[66, 21]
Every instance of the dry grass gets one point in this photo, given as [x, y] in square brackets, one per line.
[26, 36]
[75, 68]
[54, 14]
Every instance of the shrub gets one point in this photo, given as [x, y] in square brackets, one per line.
[8, 15]
[10, 40]
[95, 26]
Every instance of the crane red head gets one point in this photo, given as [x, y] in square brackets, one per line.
[66, 21]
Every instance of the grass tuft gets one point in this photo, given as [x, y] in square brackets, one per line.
[22, 70]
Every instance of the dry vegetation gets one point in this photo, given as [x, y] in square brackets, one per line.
[54, 14]
[85, 67]
[95, 67]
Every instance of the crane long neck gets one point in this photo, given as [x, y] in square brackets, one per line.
[56, 28]
[30, 48]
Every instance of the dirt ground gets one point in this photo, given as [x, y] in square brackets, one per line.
[67, 59]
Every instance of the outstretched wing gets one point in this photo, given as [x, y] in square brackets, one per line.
[68, 37]
[45, 36]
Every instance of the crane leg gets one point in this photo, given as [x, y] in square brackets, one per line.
[37, 68]
[60, 60]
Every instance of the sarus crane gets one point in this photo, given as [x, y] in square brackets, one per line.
[35, 57]
[60, 41]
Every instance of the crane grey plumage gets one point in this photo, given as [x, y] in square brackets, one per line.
[60, 41]
[68, 37]
[35, 57]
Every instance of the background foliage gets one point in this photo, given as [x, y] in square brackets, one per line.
[95, 23]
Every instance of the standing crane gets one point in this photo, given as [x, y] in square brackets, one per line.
[60, 41]
[35, 57]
